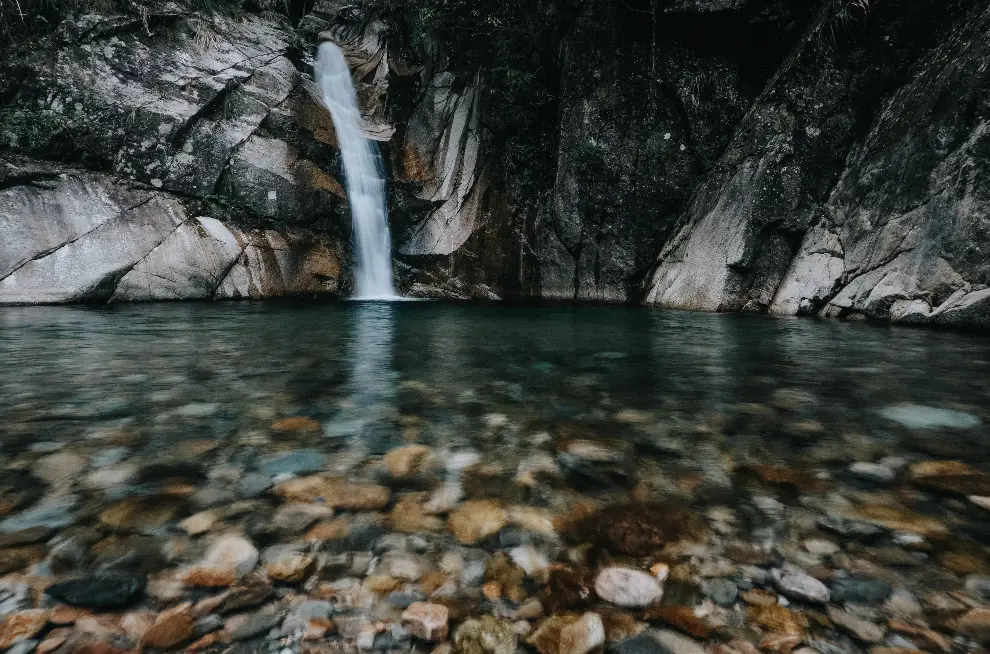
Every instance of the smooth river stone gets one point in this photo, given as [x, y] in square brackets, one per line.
[627, 587]
[298, 462]
[99, 590]
[915, 416]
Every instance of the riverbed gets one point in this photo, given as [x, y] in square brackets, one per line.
[762, 482]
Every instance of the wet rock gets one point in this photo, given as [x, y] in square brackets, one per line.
[857, 627]
[533, 519]
[207, 625]
[802, 586]
[111, 476]
[476, 520]
[232, 553]
[14, 596]
[408, 462]
[59, 470]
[979, 587]
[758, 597]
[337, 529]
[21, 626]
[721, 591]
[644, 643]
[903, 519]
[676, 643]
[682, 618]
[295, 424]
[298, 462]
[859, 590]
[860, 530]
[245, 626]
[53, 513]
[975, 624]
[199, 523]
[170, 628]
[295, 517]
[627, 587]
[820, 547]
[141, 513]
[409, 515]
[950, 477]
[99, 590]
[778, 619]
[485, 635]
[427, 621]
[17, 558]
[254, 485]
[915, 416]
[129, 551]
[873, 472]
[637, 529]
[405, 566]
[569, 634]
[205, 576]
[595, 464]
[18, 489]
[212, 496]
[569, 589]
[172, 470]
[252, 591]
[532, 562]
[922, 636]
[903, 603]
[290, 567]
[335, 493]
[25, 537]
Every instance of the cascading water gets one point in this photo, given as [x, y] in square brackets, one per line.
[364, 176]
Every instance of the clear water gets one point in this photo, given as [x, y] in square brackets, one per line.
[364, 175]
[676, 406]
[70, 371]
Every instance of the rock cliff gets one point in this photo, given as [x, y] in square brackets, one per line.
[726, 155]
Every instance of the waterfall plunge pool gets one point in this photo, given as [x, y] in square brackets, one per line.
[794, 443]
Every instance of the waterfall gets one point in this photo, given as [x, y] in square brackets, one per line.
[364, 175]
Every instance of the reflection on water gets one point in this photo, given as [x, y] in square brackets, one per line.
[372, 384]
[75, 370]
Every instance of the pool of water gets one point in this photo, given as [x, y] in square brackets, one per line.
[777, 432]
[217, 370]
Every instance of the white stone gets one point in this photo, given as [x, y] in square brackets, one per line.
[802, 586]
[582, 636]
[627, 587]
[820, 546]
[530, 560]
[915, 416]
[233, 552]
[872, 472]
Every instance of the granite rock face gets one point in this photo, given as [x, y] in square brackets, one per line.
[836, 170]
[851, 186]
[74, 236]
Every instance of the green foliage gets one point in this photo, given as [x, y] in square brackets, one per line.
[33, 129]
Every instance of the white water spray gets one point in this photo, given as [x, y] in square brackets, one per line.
[364, 175]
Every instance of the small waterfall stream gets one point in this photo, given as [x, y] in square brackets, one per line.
[364, 174]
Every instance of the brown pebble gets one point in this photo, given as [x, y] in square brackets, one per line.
[681, 618]
[171, 627]
[295, 424]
